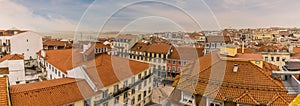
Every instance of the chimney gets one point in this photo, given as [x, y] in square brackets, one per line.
[243, 38]
[43, 53]
[235, 68]
[243, 48]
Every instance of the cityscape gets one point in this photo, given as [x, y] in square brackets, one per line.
[149, 53]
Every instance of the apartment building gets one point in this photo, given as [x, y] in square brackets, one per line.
[231, 80]
[214, 43]
[27, 43]
[118, 79]
[180, 57]
[13, 67]
[152, 53]
[275, 54]
[122, 44]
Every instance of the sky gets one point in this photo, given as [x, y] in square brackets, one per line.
[147, 15]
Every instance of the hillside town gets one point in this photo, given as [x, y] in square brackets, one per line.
[231, 67]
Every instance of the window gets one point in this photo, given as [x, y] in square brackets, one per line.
[125, 84]
[87, 102]
[277, 58]
[145, 93]
[149, 90]
[27, 49]
[272, 58]
[179, 62]
[105, 104]
[214, 103]
[132, 80]
[178, 69]
[266, 58]
[173, 69]
[149, 80]
[132, 101]
[185, 62]
[63, 75]
[133, 91]
[59, 73]
[125, 95]
[140, 76]
[105, 94]
[145, 73]
[116, 100]
[174, 62]
[145, 83]
[116, 88]
[139, 97]
[283, 59]
[169, 61]
[140, 87]
[70, 104]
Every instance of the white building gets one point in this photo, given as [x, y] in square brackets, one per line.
[120, 80]
[13, 67]
[27, 43]
[122, 43]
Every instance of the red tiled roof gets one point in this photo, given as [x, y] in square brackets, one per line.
[161, 48]
[270, 48]
[225, 39]
[140, 47]
[50, 93]
[4, 93]
[103, 69]
[248, 56]
[186, 53]
[12, 57]
[296, 49]
[249, 85]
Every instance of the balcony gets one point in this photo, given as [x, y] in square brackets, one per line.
[122, 90]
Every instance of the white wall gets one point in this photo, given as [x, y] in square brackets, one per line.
[28, 43]
[16, 71]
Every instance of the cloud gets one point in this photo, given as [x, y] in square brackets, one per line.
[16, 15]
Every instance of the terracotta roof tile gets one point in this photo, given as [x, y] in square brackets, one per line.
[186, 53]
[140, 47]
[272, 49]
[103, 69]
[225, 39]
[49, 93]
[249, 85]
[12, 57]
[162, 48]
[4, 93]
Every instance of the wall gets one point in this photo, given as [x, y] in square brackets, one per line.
[28, 43]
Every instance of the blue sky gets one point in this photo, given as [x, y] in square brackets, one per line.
[148, 16]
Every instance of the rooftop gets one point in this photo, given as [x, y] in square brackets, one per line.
[249, 85]
[50, 93]
[4, 93]
[104, 69]
[186, 53]
[12, 57]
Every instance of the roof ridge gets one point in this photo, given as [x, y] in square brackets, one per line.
[245, 94]
[276, 97]
[69, 82]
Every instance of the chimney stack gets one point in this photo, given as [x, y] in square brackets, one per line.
[235, 68]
